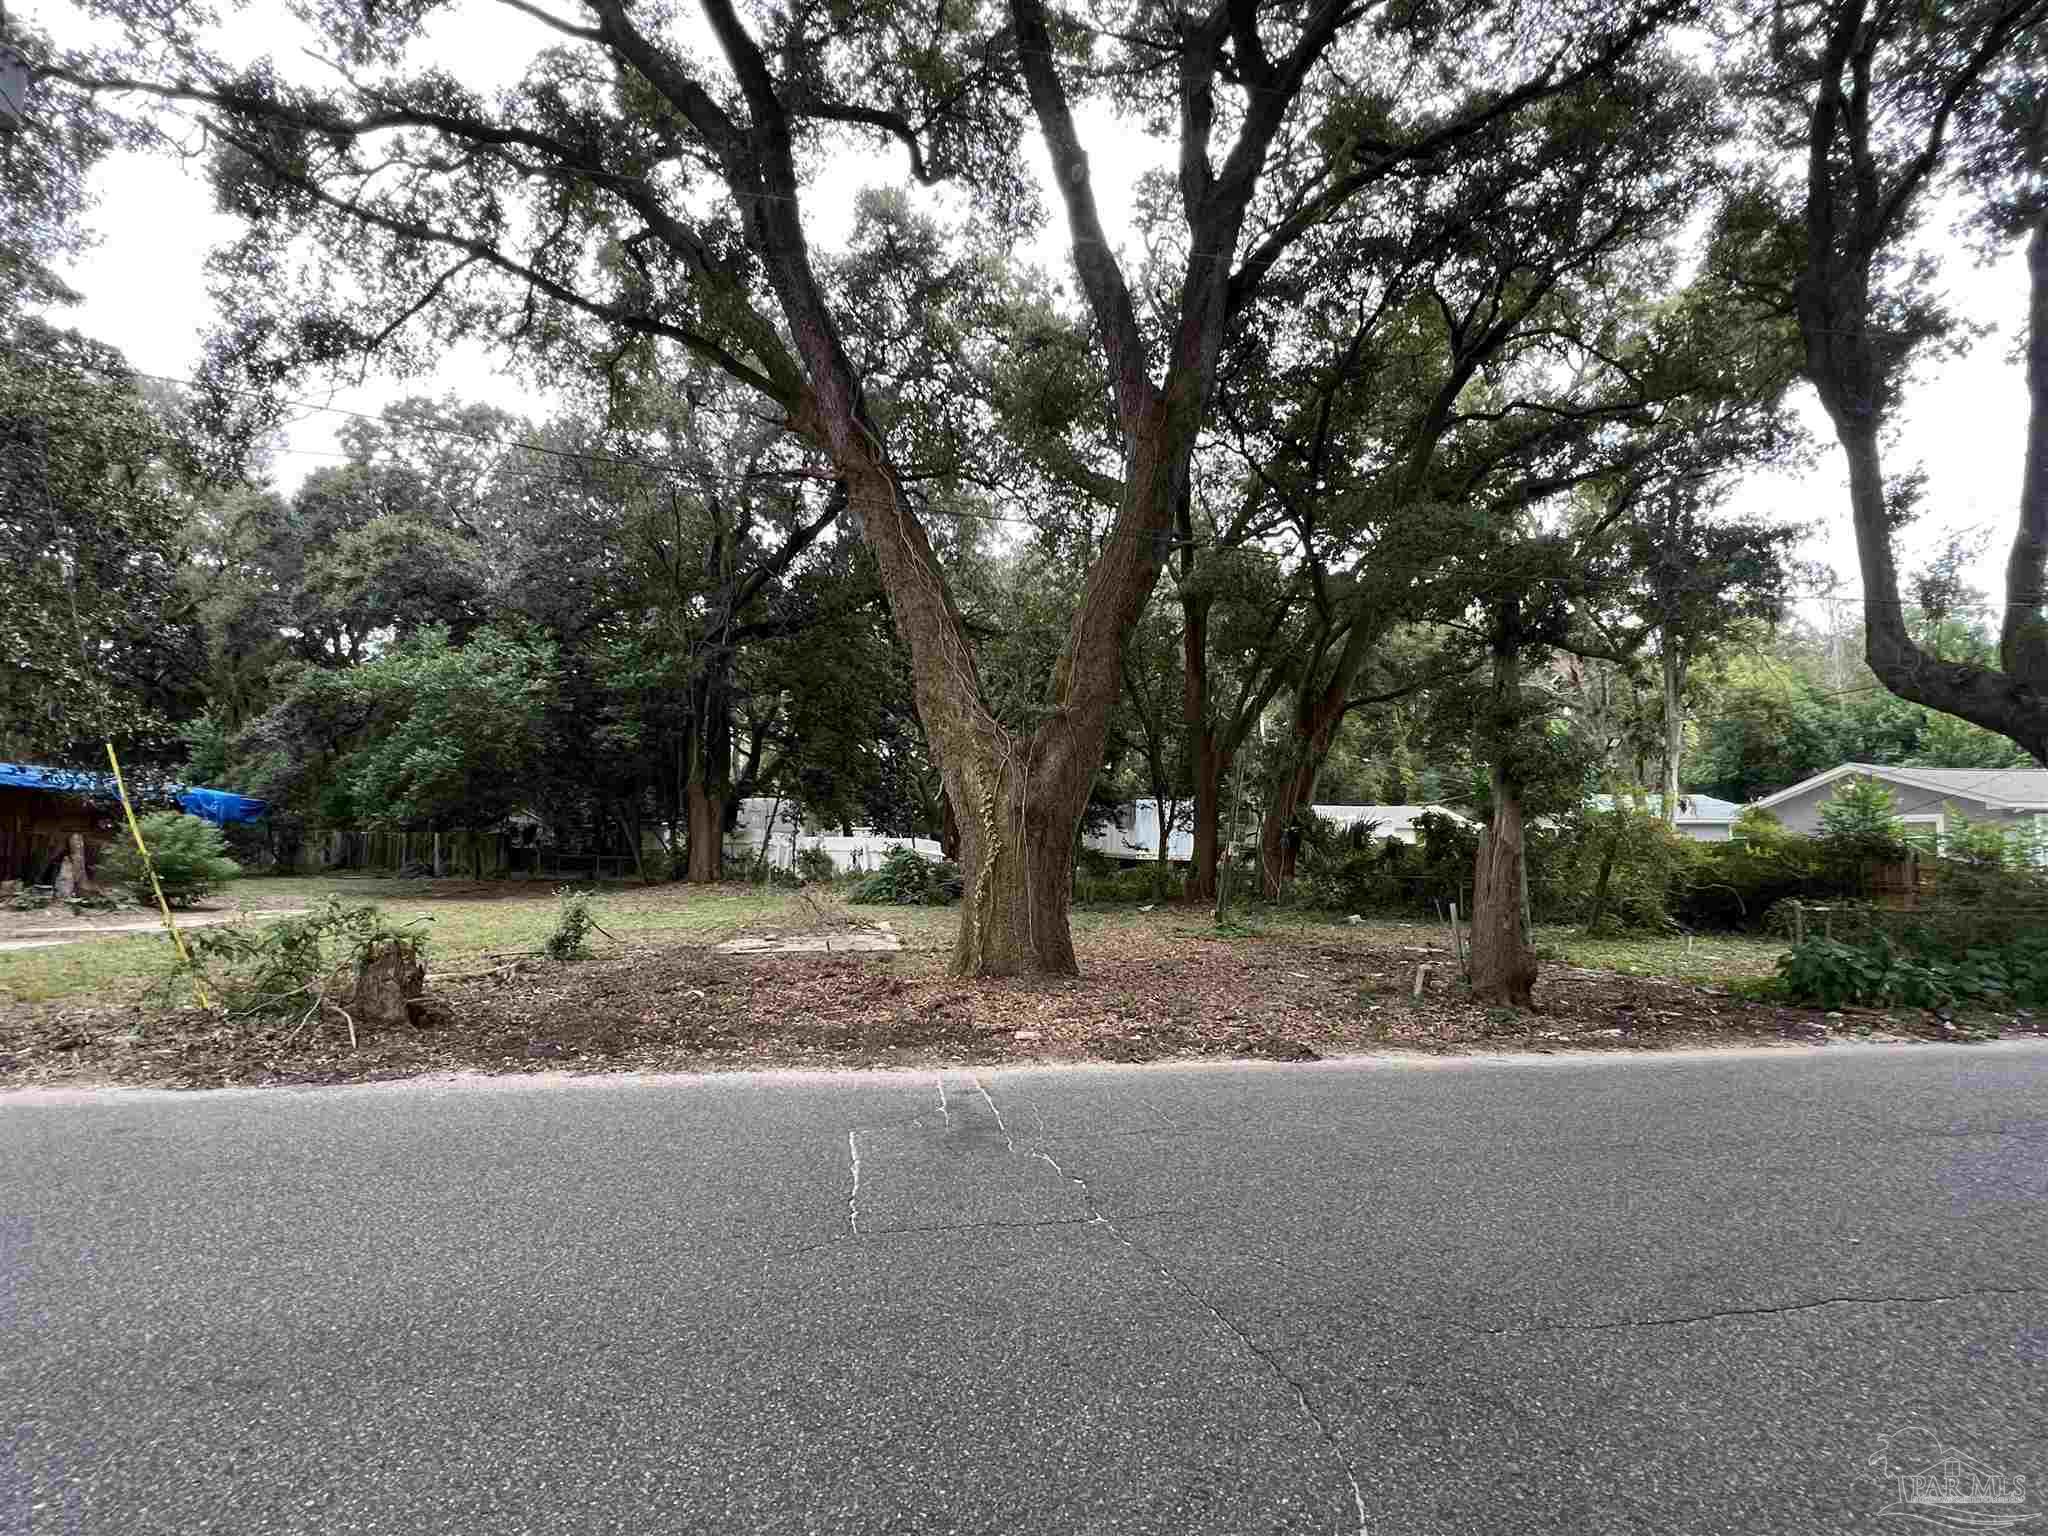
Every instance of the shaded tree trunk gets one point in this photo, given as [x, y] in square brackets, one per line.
[1207, 763]
[1315, 727]
[1503, 963]
[708, 791]
[706, 834]
[1317, 715]
[1674, 730]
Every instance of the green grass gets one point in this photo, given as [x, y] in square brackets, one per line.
[110, 968]
[469, 922]
[1719, 957]
[461, 928]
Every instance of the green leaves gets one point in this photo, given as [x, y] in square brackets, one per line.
[90, 500]
[189, 856]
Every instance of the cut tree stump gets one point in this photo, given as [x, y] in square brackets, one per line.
[387, 986]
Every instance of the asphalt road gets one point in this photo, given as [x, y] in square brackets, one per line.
[1697, 1294]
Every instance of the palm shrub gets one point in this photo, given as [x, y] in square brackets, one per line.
[907, 879]
[189, 854]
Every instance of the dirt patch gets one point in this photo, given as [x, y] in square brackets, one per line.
[1145, 996]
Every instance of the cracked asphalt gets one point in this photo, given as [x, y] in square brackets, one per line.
[1646, 1294]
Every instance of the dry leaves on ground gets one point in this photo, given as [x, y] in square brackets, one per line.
[1144, 995]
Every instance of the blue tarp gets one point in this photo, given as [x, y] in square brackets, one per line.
[222, 806]
[219, 806]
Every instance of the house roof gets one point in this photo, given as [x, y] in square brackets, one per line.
[216, 805]
[1691, 807]
[2004, 789]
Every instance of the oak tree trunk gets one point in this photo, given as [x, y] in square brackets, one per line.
[1314, 729]
[1016, 864]
[706, 834]
[1317, 714]
[1503, 962]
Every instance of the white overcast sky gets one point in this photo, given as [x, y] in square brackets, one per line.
[144, 292]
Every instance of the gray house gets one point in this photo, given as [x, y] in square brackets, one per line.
[1702, 818]
[1927, 799]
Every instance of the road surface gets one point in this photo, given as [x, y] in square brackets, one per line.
[1715, 1293]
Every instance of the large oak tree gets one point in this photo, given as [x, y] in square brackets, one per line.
[649, 178]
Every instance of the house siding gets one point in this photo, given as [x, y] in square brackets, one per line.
[1802, 812]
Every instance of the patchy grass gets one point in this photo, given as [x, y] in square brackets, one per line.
[1720, 957]
[1165, 984]
[115, 968]
[466, 922]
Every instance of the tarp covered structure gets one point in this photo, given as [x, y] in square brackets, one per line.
[219, 806]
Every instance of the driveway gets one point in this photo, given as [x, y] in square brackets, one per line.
[1710, 1293]
[50, 935]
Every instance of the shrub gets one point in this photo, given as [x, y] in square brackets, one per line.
[291, 966]
[1858, 823]
[189, 855]
[575, 917]
[908, 879]
[1877, 970]
[814, 863]
[1094, 863]
[1343, 878]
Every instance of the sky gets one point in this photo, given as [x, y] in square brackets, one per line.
[145, 292]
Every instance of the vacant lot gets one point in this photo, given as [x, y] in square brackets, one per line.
[658, 996]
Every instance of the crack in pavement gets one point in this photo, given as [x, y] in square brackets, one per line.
[1008, 1140]
[1722, 1314]
[853, 1195]
[1094, 1217]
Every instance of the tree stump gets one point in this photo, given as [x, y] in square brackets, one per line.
[387, 985]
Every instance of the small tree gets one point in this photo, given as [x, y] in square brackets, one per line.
[190, 857]
[1860, 821]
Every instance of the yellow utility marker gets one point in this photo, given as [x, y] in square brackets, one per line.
[148, 864]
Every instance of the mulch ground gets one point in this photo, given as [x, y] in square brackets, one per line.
[1167, 996]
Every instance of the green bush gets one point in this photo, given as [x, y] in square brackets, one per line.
[1859, 820]
[1343, 878]
[814, 863]
[1738, 884]
[1095, 864]
[908, 879]
[1876, 970]
[190, 857]
[575, 918]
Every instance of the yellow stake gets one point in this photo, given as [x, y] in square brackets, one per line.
[149, 865]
